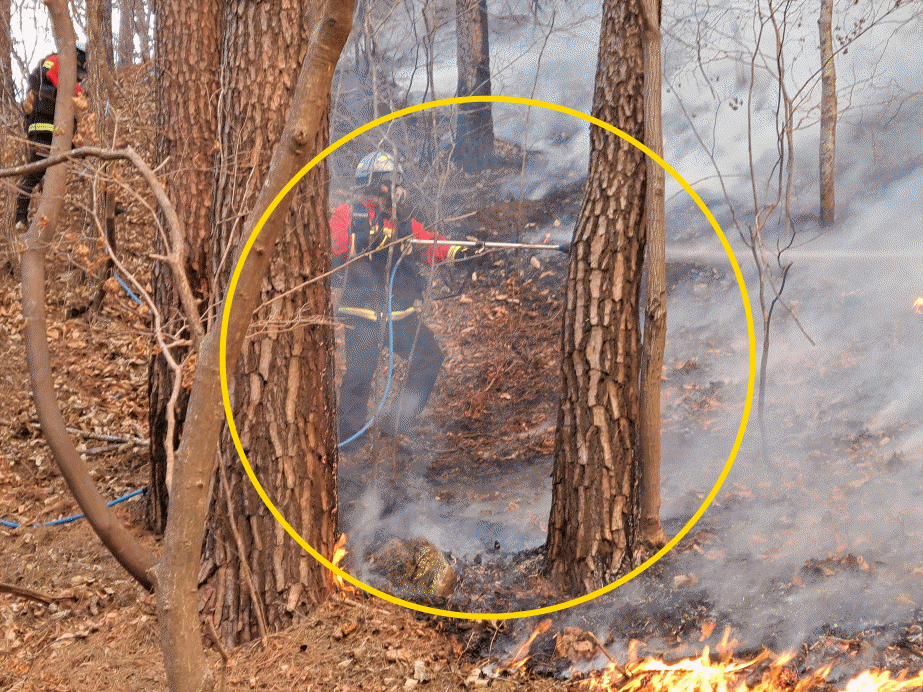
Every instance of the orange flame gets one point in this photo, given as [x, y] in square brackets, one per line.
[340, 552]
[702, 675]
[918, 306]
[516, 665]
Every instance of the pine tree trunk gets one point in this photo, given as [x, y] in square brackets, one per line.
[188, 64]
[105, 32]
[257, 578]
[126, 52]
[828, 109]
[592, 530]
[474, 139]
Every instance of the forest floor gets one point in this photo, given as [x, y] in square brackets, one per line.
[71, 618]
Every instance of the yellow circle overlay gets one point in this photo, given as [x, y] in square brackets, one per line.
[751, 378]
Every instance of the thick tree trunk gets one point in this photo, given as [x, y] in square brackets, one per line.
[828, 110]
[189, 45]
[180, 567]
[655, 322]
[259, 579]
[592, 530]
[474, 137]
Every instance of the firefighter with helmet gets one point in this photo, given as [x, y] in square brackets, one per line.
[365, 229]
[39, 108]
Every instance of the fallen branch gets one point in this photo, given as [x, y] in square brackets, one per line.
[27, 593]
[123, 439]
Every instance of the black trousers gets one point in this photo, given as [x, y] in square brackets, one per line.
[39, 145]
[365, 340]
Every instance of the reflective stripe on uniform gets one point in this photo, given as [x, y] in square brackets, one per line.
[373, 316]
[41, 127]
[48, 64]
[452, 250]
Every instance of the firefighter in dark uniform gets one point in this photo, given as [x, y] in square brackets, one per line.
[39, 108]
[367, 224]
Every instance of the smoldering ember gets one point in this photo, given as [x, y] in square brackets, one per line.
[458, 422]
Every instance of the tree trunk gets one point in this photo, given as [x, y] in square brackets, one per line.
[179, 569]
[592, 530]
[828, 109]
[189, 51]
[474, 137]
[11, 130]
[259, 579]
[99, 85]
[143, 19]
[655, 322]
[123, 546]
[6, 60]
[127, 31]
[103, 31]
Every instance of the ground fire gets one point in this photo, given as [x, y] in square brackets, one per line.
[760, 674]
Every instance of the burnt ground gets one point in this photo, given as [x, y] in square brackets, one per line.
[72, 620]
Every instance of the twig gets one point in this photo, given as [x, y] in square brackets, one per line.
[242, 555]
[176, 259]
[605, 652]
[542, 627]
[216, 640]
[105, 448]
[27, 593]
[352, 603]
[124, 439]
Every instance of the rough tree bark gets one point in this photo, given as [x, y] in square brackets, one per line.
[126, 549]
[655, 321]
[99, 27]
[126, 51]
[189, 52]
[474, 134]
[592, 530]
[256, 578]
[11, 131]
[178, 607]
[6, 56]
[828, 112]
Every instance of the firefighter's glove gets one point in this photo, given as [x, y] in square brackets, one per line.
[468, 252]
[81, 103]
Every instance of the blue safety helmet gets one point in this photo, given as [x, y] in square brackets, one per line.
[376, 168]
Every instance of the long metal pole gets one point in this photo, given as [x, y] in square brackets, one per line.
[565, 247]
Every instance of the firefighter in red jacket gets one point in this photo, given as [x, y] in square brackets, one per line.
[39, 108]
[358, 228]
